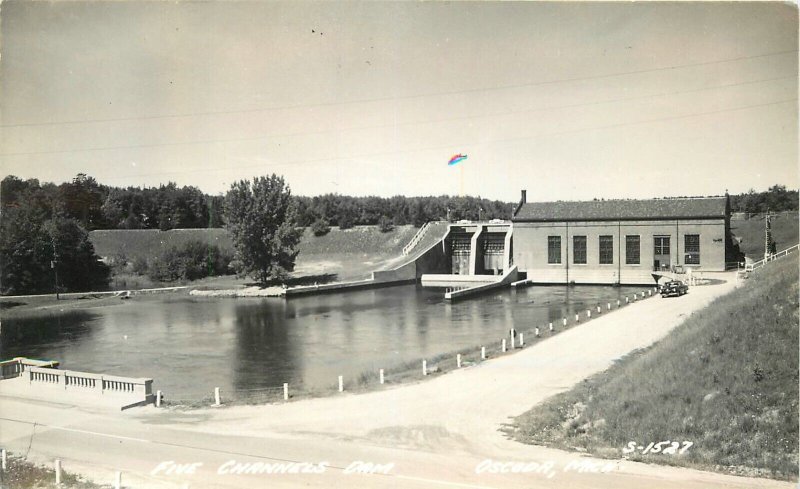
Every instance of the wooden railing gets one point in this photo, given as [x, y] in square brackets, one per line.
[416, 239]
[753, 266]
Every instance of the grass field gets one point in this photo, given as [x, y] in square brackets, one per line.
[22, 474]
[725, 380]
[348, 254]
[751, 232]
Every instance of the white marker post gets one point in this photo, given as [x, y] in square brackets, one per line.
[4, 458]
[513, 341]
[285, 391]
[626, 299]
[565, 322]
[588, 313]
[504, 345]
[158, 398]
[598, 309]
[424, 367]
[521, 340]
[609, 306]
[216, 396]
[618, 302]
[551, 327]
[483, 353]
[536, 331]
[58, 472]
[380, 374]
[577, 318]
[341, 384]
[458, 360]
[118, 481]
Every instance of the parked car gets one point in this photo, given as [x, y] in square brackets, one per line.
[674, 288]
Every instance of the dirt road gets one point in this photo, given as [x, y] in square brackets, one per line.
[442, 432]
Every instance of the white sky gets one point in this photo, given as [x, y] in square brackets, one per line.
[568, 100]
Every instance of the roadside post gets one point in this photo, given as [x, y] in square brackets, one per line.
[483, 353]
[58, 472]
[458, 360]
[216, 396]
[380, 374]
[424, 367]
[341, 384]
[285, 391]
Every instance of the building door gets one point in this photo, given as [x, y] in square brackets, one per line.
[661, 253]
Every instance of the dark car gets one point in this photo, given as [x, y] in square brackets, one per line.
[674, 288]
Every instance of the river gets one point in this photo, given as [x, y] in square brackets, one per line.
[191, 345]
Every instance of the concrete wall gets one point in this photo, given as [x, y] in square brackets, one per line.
[530, 249]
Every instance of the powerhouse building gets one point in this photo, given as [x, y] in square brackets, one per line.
[619, 241]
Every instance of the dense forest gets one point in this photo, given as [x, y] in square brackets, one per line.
[97, 206]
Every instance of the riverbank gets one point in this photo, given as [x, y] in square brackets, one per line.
[730, 370]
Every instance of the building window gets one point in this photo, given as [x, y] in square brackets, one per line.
[606, 250]
[579, 250]
[661, 245]
[691, 245]
[632, 250]
[554, 249]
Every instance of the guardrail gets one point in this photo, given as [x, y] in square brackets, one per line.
[101, 384]
[753, 266]
[16, 366]
[416, 239]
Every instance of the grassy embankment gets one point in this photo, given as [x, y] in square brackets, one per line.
[23, 474]
[751, 232]
[340, 255]
[726, 380]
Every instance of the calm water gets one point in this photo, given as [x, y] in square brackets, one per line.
[190, 345]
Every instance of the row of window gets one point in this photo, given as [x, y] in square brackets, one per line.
[691, 243]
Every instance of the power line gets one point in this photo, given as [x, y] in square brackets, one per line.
[392, 125]
[401, 97]
[450, 146]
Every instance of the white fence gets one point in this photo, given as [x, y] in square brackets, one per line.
[417, 238]
[16, 366]
[753, 266]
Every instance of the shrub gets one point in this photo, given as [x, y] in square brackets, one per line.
[385, 224]
[320, 227]
[190, 261]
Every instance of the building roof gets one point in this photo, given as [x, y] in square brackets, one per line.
[626, 210]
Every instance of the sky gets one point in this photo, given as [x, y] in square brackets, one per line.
[570, 101]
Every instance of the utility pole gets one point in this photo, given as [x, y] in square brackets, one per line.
[769, 242]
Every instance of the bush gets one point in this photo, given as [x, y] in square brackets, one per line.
[385, 224]
[190, 261]
[320, 227]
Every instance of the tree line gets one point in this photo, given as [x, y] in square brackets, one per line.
[168, 206]
[776, 199]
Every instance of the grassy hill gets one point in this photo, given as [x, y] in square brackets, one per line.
[726, 380]
[339, 255]
[751, 232]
